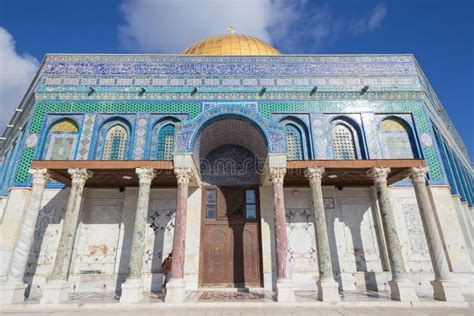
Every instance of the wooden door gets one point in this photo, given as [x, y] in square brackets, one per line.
[230, 242]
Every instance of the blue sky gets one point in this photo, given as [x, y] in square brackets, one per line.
[438, 32]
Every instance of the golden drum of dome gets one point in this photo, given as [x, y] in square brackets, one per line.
[231, 44]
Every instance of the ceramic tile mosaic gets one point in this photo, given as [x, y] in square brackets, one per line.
[43, 107]
[86, 135]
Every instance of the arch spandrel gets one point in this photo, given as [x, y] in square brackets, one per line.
[187, 132]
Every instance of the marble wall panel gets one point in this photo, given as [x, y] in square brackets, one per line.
[46, 239]
[410, 230]
[10, 225]
[98, 234]
[451, 229]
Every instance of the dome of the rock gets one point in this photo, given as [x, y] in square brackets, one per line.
[231, 44]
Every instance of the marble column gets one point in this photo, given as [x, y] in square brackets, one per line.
[56, 290]
[327, 286]
[444, 287]
[175, 287]
[132, 289]
[402, 289]
[285, 292]
[13, 291]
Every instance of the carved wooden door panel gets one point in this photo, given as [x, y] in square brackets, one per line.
[217, 257]
[246, 255]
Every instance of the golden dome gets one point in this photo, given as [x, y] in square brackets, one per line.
[231, 44]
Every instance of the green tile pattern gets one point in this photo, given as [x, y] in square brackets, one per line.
[266, 108]
[41, 107]
[406, 106]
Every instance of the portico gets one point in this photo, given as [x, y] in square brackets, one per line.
[280, 174]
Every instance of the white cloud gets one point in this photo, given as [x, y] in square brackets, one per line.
[378, 14]
[165, 26]
[299, 24]
[373, 21]
[16, 73]
[293, 26]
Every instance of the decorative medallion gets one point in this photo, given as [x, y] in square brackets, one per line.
[426, 139]
[31, 141]
[328, 202]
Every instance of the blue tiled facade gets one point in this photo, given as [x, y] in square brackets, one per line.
[145, 92]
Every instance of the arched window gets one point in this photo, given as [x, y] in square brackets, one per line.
[294, 142]
[116, 143]
[165, 146]
[61, 141]
[343, 142]
[396, 143]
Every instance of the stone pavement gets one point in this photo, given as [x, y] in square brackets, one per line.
[253, 311]
[240, 303]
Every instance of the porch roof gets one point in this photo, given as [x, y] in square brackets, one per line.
[122, 173]
[110, 173]
[349, 172]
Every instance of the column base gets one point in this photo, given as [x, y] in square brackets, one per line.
[132, 291]
[328, 291]
[12, 292]
[54, 292]
[175, 292]
[447, 291]
[285, 292]
[403, 290]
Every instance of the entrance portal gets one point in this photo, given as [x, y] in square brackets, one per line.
[232, 152]
[230, 237]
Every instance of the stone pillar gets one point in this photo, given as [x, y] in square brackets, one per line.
[444, 287]
[327, 286]
[56, 290]
[132, 289]
[13, 291]
[175, 288]
[402, 289]
[285, 292]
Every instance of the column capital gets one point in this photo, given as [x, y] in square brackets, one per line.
[277, 174]
[418, 174]
[184, 175]
[79, 175]
[39, 175]
[378, 174]
[314, 175]
[145, 175]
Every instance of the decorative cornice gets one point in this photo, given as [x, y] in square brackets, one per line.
[183, 175]
[39, 176]
[79, 175]
[314, 175]
[378, 174]
[277, 175]
[145, 175]
[229, 95]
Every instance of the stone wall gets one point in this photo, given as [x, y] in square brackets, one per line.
[102, 247]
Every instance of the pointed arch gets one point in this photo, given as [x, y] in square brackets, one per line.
[297, 139]
[343, 142]
[114, 140]
[61, 140]
[166, 141]
[347, 139]
[294, 142]
[162, 140]
[397, 139]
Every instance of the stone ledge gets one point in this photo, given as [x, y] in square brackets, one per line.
[147, 305]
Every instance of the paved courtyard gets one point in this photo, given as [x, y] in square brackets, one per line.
[253, 311]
